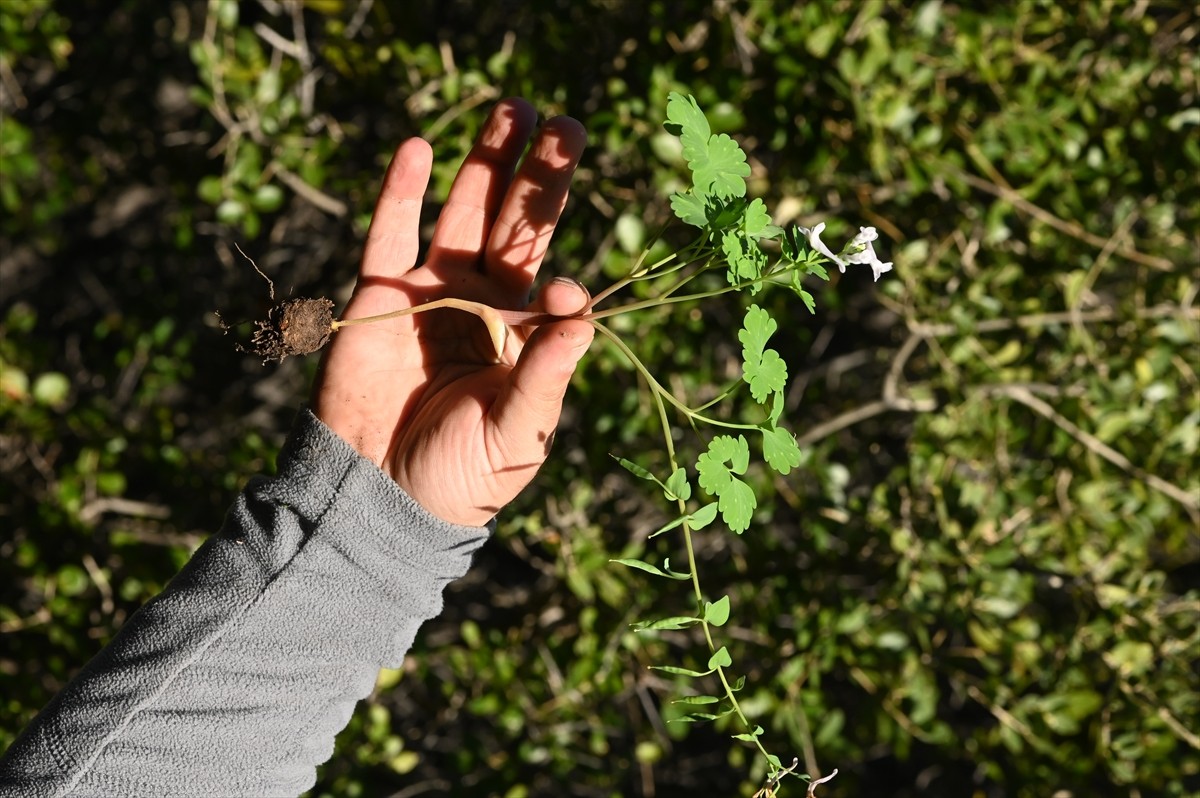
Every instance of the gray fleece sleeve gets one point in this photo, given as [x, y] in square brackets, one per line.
[236, 678]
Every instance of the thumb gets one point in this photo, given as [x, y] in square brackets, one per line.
[526, 410]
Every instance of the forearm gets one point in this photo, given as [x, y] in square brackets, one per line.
[235, 680]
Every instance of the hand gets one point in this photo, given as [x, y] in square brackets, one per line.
[424, 396]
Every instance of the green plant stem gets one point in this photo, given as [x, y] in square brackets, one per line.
[656, 387]
[637, 273]
[722, 396]
[669, 440]
[667, 299]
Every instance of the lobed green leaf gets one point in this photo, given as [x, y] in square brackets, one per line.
[766, 376]
[780, 449]
[722, 170]
[757, 329]
[727, 456]
[690, 208]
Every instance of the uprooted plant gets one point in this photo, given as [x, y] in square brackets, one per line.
[732, 232]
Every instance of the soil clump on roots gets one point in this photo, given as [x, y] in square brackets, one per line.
[292, 327]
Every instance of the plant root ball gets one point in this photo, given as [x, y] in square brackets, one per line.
[293, 327]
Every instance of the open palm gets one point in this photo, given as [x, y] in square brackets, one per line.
[425, 397]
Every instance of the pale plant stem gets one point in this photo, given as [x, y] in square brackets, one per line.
[532, 318]
[614, 288]
[638, 273]
[722, 396]
[666, 299]
[657, 388]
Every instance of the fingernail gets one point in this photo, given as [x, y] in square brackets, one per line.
[562, 280]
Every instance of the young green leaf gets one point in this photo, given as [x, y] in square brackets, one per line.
[717, 163]
[737, 505]
[717, 612]
[745, 259]
[757, 329]
[723, 171]
[727, 456]
[690, 208]
[808, 300]
[817, 270]
[686, 120]
[756, 220]
[677, 485]
[777, 407]
[651, 569]
[780, 449]
[762, 368]
[766, 375]
[720, 659]
[791, 245]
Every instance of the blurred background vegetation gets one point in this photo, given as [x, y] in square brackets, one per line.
[985, 579]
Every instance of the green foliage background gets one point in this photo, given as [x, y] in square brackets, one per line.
[982, 581]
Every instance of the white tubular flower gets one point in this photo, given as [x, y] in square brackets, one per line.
[861, 250]
[813, 234]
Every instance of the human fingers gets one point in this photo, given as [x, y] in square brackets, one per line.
[480, 186]
[525, 412]
[535, 200]
[562, 296]
[393, 239]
